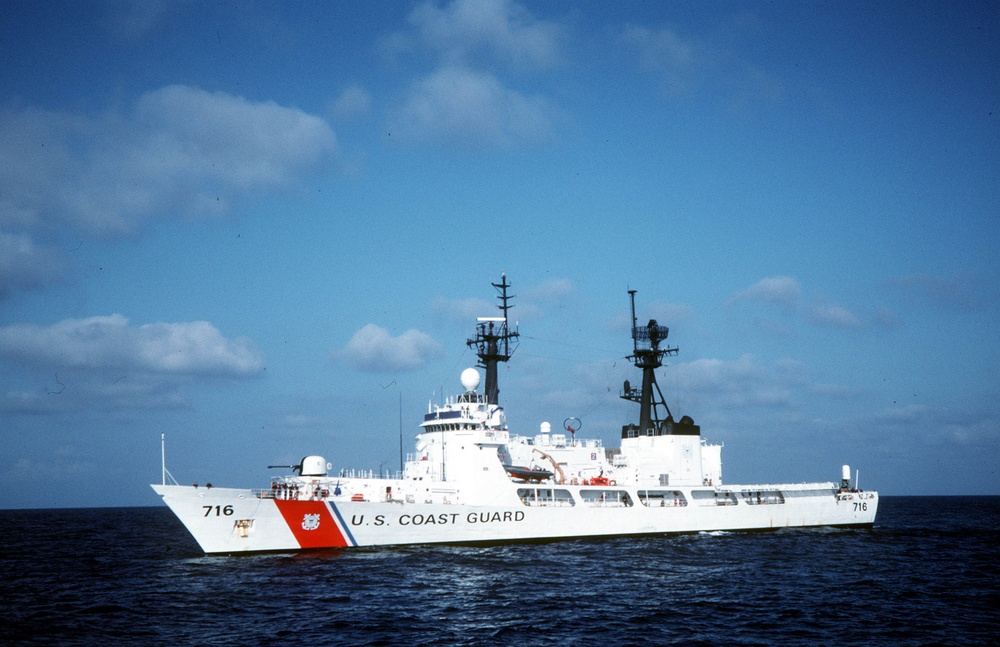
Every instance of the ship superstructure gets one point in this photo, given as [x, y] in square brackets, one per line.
[471, 480]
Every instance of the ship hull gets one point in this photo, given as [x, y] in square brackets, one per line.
[228, 521]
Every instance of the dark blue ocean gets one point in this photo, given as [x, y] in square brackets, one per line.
[928, 573]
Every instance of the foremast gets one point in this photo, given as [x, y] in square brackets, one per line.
[647, 354]
[493, 341]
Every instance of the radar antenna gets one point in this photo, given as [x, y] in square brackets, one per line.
[493, 341]
[647, 354]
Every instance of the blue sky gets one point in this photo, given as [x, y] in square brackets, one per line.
[266, 230]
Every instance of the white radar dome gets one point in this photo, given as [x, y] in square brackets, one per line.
[470, 379]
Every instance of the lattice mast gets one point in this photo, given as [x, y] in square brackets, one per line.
[493, 340]
[648, 356]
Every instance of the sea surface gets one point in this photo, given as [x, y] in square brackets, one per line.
[926, 574]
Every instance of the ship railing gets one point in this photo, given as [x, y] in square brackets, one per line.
[714, 497]
[321, 494]
[367, 474]
[662, 498]
[606, 498]
[545, 497]
[540, 503]
[763, 497]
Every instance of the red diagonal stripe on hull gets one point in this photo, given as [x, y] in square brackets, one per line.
[296, 513]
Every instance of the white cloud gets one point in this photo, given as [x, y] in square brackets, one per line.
[373, 349]
[25, 265]
[498, 29]
[784, 293]
[104, 363]
[774, 290]
[973, 431]
[907, 414]
[470, 108]
[548, 296]
[834, 316]
[717, 374]
[354, 101]
[99, 343]
[180, 151]
[668, 314]
[963, 290]
[464, 101]
[225, 137]
[677, 59]
[950, 427]
[687, 65]
[94, 390]
[462, 311]
[132, 19]
[742, 382]
[552, 290]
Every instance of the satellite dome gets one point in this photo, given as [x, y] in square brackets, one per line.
[470, 379]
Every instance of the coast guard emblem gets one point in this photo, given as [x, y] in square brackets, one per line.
[310, 522]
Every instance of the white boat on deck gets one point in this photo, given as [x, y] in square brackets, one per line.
[470, 480]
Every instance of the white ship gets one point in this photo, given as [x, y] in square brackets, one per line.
[471, 480]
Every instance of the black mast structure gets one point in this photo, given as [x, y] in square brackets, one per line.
[493, 341]
[648, 355]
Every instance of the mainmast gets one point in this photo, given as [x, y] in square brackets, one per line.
[493, 341]
[647, 355]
